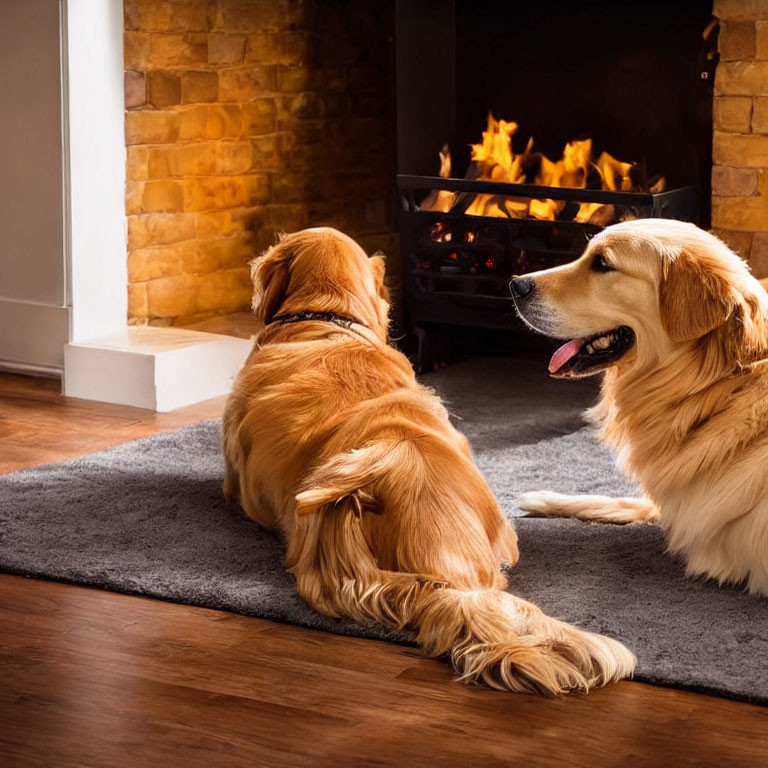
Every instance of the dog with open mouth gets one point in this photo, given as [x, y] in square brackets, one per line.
[678, 327]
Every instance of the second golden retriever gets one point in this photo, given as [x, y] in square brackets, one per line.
[679, 326]
[331, 442]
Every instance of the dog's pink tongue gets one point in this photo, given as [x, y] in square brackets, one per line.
[565, 353]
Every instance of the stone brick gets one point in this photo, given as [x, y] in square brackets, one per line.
[200, 159]
[225, 49]
[741, 10]
[163, 88]
[165, 15]
[246, 15]
[159, 229]
[158, 261]
[170, 296]
[761, 33]
[138, 307]
[210, 224]
[151, 127]
[224, 291]
[740, 242]
[740, 213]
[209, 193]
[199, 87]
[267, 153]
[728, 181]
[161, 161]
[257, 189]
[737, 40]
[233, 156]
[178, 50]
[246, 83]
[296, 79]
[269, 219]
[286, 48]
[224, 121]
[307, 106]
[738, 150]
[137, 163]
[135, 50]
[193, 122]
[135, 86]
[291, 187]
[760, 115]
[758, 254]
[196, 159]
[163, 196]
[134, 191]
[732, 113]
[742, 78]
[259, 117]
[221, 253]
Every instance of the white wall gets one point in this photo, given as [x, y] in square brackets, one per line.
[33, 318]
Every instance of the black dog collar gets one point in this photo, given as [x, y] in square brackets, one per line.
[326, 317]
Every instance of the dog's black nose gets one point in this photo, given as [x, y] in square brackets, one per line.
[521, 287]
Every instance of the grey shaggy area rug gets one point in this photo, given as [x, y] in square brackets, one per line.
[148, 517]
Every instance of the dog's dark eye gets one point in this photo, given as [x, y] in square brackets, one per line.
[599, 264]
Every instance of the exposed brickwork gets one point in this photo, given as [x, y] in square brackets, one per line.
[244, 119]
[740, 142]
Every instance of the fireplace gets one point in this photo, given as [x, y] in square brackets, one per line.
[609, 83]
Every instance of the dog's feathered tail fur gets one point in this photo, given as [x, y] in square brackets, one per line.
[489, 635]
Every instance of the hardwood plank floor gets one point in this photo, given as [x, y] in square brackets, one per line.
[92, 678]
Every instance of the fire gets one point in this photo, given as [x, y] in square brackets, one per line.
[494, 159]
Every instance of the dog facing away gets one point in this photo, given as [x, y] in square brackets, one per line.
[331, 442]
[679, 327]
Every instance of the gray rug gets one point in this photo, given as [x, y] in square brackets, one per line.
[147, 517]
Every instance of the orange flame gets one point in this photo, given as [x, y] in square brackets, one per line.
[495, 160]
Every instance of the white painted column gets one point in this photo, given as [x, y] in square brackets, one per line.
[157, 368]
[95, 143]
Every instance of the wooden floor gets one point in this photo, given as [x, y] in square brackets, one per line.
[90, 678]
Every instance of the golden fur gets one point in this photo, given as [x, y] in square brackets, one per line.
[331, 442]
[686, 409]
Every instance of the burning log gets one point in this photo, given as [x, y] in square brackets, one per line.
[441, 199]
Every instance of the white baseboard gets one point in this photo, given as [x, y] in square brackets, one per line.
[33, 335]
[156, 368]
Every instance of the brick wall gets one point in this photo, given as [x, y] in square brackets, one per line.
[245, 118]
[740, 141]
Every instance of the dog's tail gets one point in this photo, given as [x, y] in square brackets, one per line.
[489, 635]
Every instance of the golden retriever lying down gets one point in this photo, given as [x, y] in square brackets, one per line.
[678, 324]
[330, 441]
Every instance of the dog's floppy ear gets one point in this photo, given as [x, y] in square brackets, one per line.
[694, 297]
[379, 266]
[270, 276]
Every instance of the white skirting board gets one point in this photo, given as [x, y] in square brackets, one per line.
[156, 368]
[33, 335]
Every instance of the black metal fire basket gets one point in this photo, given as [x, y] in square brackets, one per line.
[457, 267]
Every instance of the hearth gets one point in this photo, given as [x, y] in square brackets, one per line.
[463, 238]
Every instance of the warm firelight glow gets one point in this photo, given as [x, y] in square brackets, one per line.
[494, 159]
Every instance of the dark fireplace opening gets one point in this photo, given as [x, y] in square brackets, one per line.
[635, 83]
